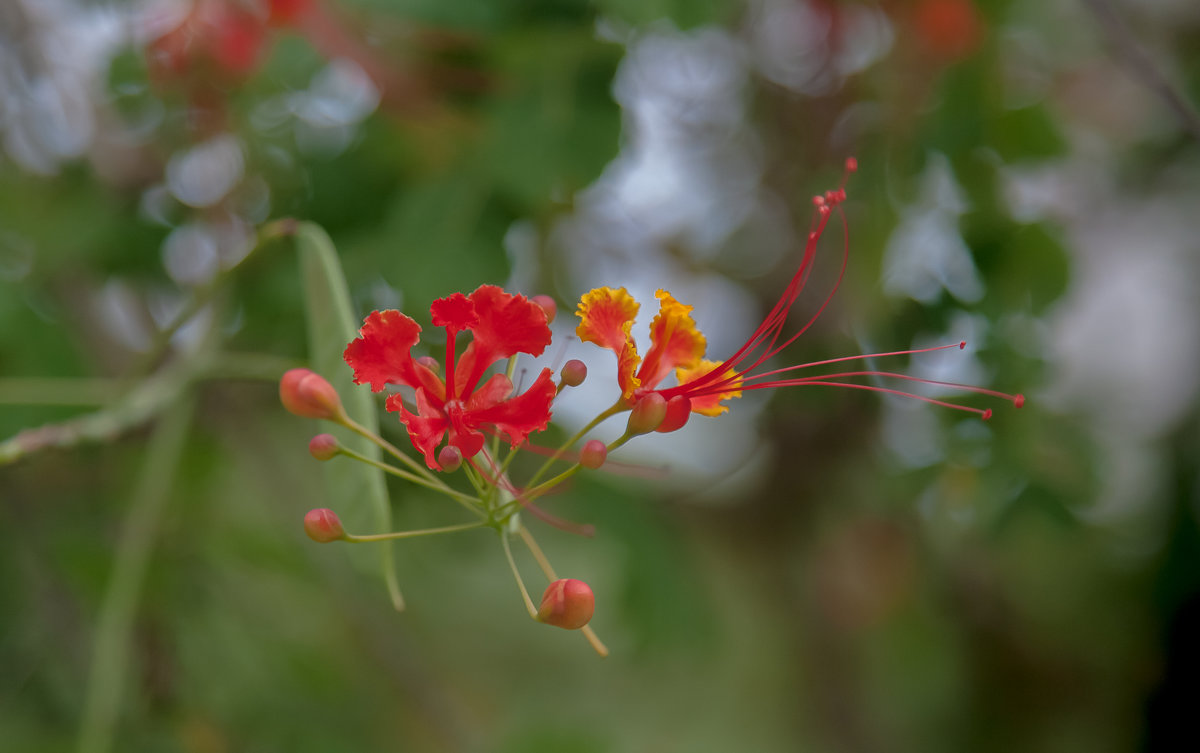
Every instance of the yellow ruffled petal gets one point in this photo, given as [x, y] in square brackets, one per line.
[709, 405]
[606, 318]
[676, 343]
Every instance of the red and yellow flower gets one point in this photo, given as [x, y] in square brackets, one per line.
[702, 386]
[463, 405]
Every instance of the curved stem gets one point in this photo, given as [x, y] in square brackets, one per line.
[111, 655]
[464, 499]
[512, 564]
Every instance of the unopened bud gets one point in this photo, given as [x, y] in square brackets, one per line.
[647, 414]
[573, 372]
[449, 458]
[430, 363]
[323, 526]
[547, 304]
[307, 394]
[568, 604]
[679, 410]
[323, 447]
[593, 454]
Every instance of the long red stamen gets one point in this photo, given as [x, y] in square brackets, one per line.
[773, 324]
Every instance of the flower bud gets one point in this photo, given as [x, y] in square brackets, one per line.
[323, 526]
[323, 447]
[679, 410]
[573, 372]
[568, 604]
[308, 395]
[647, 414]
[430, 363]
[449, 458]
[547, 304]
[594, 454]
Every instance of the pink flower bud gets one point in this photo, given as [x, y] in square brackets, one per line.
[594, 454]
[323, 447]
[568, 604]
[679, 410]
[449, 458]
[647, 414]
[430, 363]
[548, 305]
[573, 372]
[307, 394]
[323, 526]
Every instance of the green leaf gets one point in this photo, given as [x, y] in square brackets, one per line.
[356, 491]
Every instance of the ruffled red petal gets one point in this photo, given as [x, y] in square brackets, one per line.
[508, 324]
[456, 312]
[495, 390]
[382, 353]
[426, 427]
[522, 415]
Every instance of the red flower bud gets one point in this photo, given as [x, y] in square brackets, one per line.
[449, 458]
[648, 414]
[323, 447]
[568, 604]
[307, 394]
[679, 410]
[548, 305]
[573, 372]
[323, 526]
[594, 454]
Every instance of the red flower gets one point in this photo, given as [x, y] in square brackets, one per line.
[501, 325]
[606, 316]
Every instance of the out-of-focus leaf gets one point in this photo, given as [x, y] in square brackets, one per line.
[357, 492]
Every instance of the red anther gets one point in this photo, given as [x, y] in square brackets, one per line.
[1019, 401]
[568, 603]
[547, 304]
[962, 345]
[851, 164]
[593, 454]
[323, 526]
[818, 201]
[986, 414]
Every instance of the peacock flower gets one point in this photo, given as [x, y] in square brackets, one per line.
[462, 405]
[703, 386]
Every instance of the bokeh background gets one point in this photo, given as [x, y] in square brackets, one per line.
[818, 570]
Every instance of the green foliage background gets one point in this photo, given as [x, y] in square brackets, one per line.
[843, 603]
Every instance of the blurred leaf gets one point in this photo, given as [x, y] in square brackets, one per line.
[356, 491]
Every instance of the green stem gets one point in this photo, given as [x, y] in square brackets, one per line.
[512, 564]
[111, 653]
[58, 391]
[390, 448]
[544, 563]
[413, 534]
[616, 408]
[465, 499]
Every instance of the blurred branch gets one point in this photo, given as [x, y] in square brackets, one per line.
[111, 651]
[1141, 66]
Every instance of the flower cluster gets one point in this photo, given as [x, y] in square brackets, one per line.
[459, 411]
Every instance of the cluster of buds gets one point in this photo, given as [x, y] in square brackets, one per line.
[465, 419]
